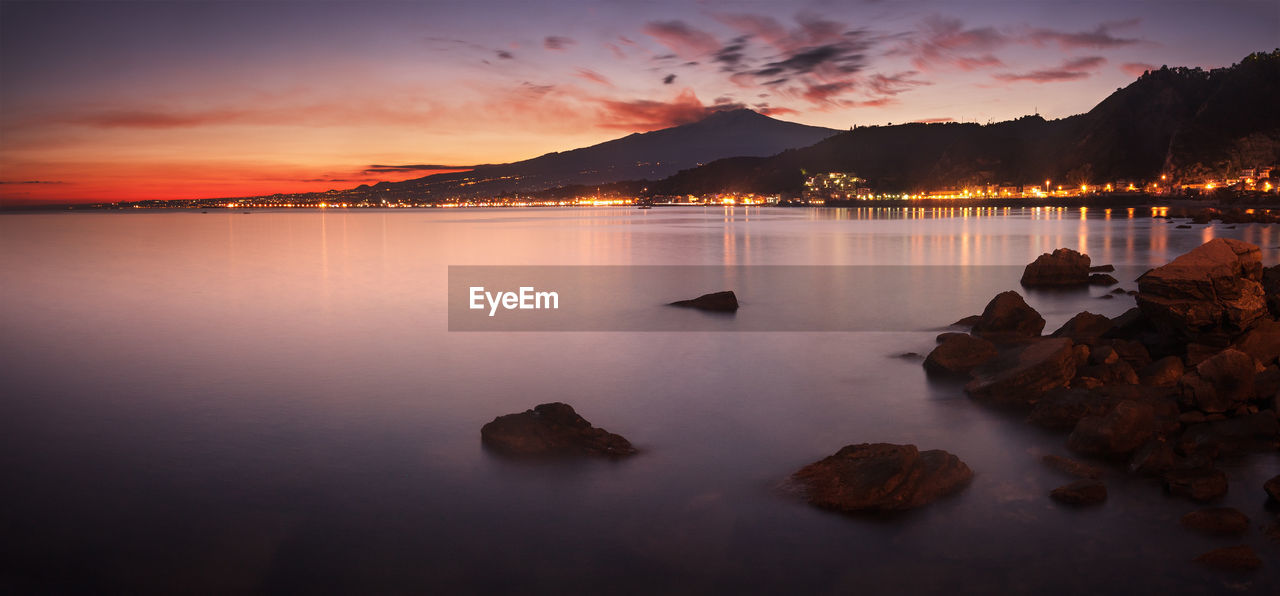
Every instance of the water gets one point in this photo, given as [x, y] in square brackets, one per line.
[272, 402]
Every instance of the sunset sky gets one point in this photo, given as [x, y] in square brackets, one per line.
[180, 99]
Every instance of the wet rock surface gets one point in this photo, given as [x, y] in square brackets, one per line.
[552, 429]
[1025, 373]
[1213, 290]
[881, 477]
[1008, 318]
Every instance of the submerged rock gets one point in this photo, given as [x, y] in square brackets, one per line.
[1216, 520]
[1232, 558]
[1089, 491]
[1008, 317]
[725, 301]
[1062, 267]
[1201, 484]
[1070, 466]
[551, 429]
[882, 477]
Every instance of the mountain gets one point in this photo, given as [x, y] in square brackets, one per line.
[640, 156]
[1186, 122]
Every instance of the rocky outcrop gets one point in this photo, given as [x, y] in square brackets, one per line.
[1273, 488]
[1164, 372]
[1081, 493]
[1025, 373]
[725, 301]
[1217, 520]
[881, 477]
[1212, 292]
[1008, 318]
[1262, 342]
[958, 353]
[551, 429]
[1062, 267]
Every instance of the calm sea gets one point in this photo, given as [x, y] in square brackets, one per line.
[272, 402]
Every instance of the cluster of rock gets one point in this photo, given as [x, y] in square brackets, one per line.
[1188, 376]
[1065, 268]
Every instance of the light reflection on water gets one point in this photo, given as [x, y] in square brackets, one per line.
[271, 401]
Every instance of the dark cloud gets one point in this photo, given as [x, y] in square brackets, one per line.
[731, 56]
[504, 55]
[669, 79]
[826, 92]
[1071, 70]
[945, 42]
[384, 169]
[894, 84]
[556, 42]
[647, 114]
[1100, 38]
[682, 38]
[31, 182]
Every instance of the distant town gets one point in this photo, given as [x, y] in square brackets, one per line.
[820, 189]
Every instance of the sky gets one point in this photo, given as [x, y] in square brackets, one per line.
[111, 101]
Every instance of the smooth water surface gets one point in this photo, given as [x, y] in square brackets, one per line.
[231, 402]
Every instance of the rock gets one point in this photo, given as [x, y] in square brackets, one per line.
[1104, 355]
[968, 321]
[1217, 520]
[725, 301]
[1220, 383]
[958, 353]
[1102, 269]
[1102, 279]
[1154, 458]
[1262, 341]
[1213, 290]
[1118, 433]
[882, 477]
[1132, 352]
[1062, 409]
[551, 429]
[1084, 328]
[1164, 372]
[1183, 227]
[1273, 488]
[1007, 317]
[1025, 373]
[1271, 289]
[1064, 267]
[1081, 493]
[1232, 558]
[1266, 384]
[1244, 433]
[1117, 372]
[1201, 484]
[1119, 291]
[1070, 466]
